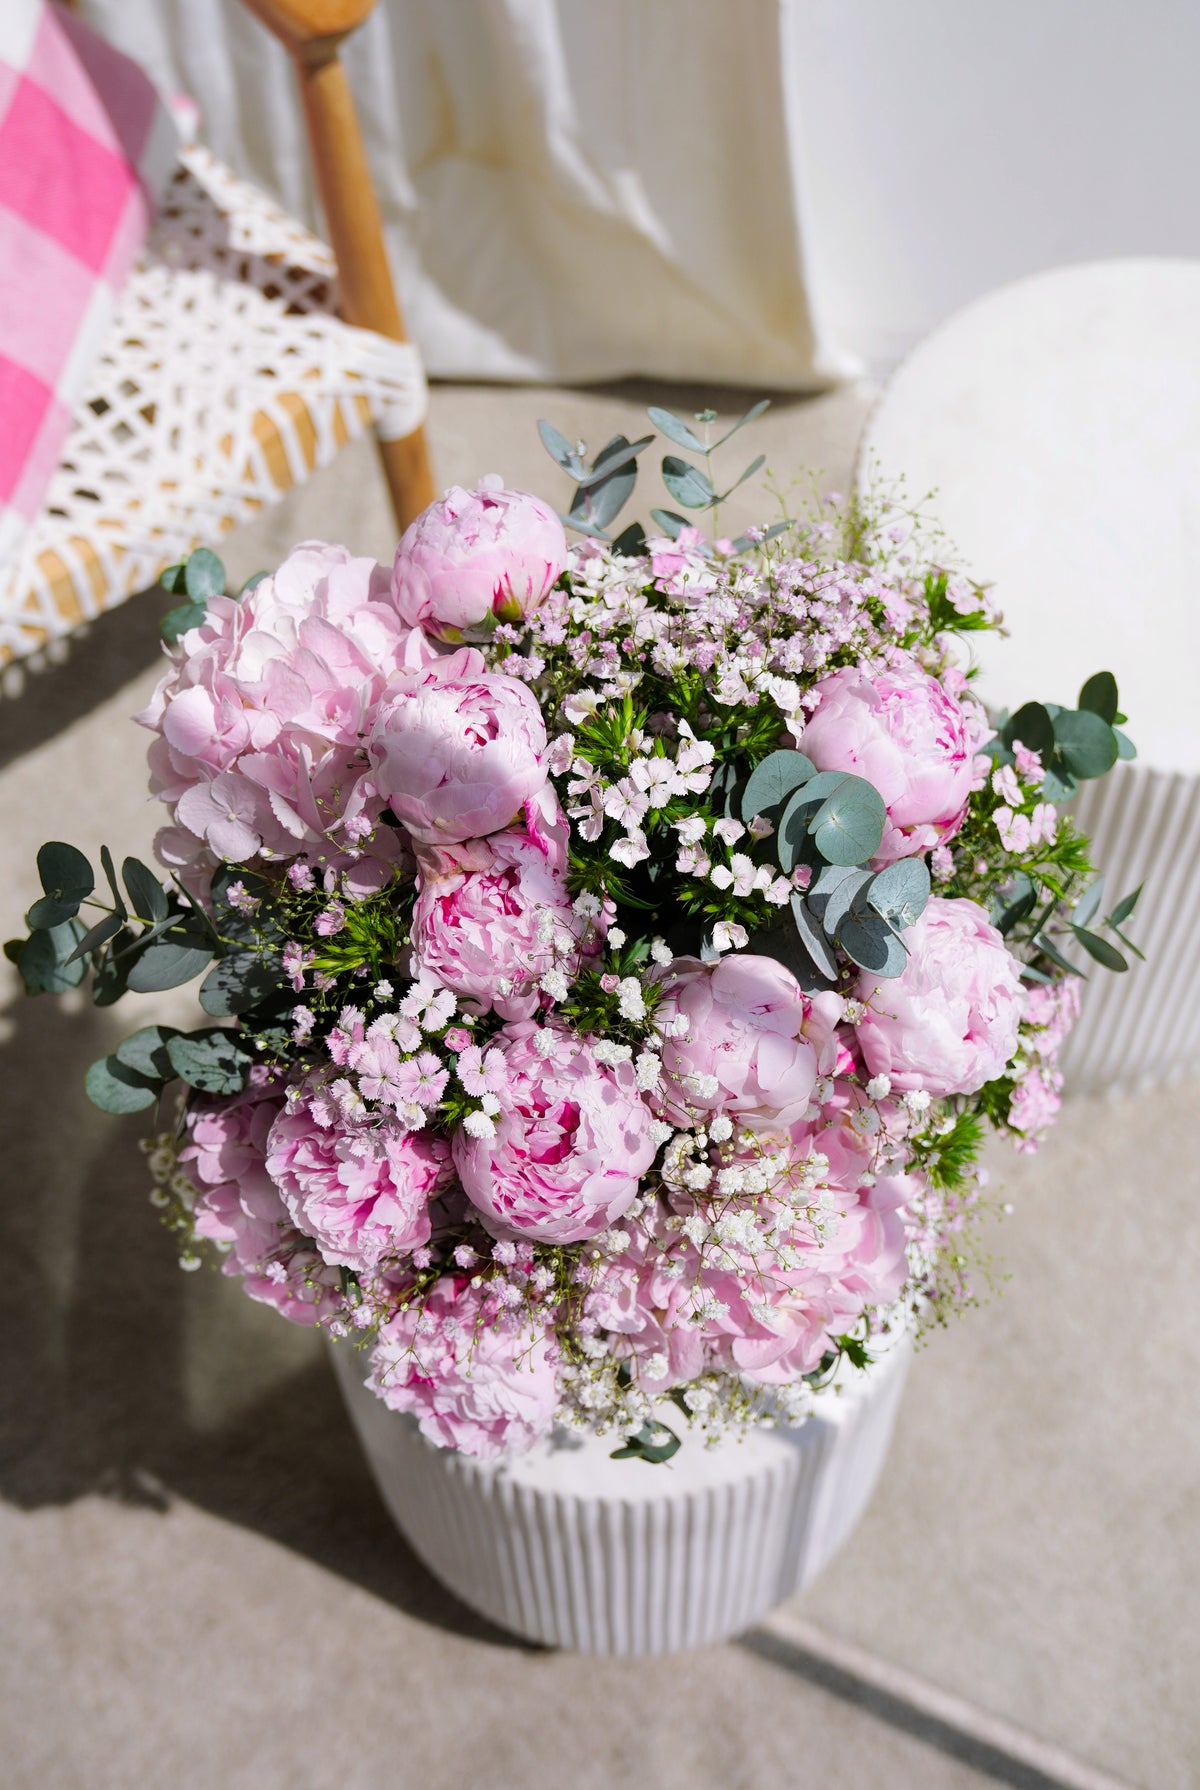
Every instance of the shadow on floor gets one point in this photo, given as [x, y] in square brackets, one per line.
[105, 1340]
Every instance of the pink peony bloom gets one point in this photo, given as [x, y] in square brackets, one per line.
[491, 919]
[476, 555]
[906, 734]
[949, 1023]
[572, 1140]
[237, 1205]
[260, 720]
[361, 1190]
[458, 751]
[740, 1036]
[479, 1377]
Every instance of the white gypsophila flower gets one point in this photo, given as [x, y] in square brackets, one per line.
[720, 1128]
[631, 1001]
[879, 1087]
[918, 1102]
[648, 1069]
[616, 937]
[661, 952]
[554, 983]
[608, 1050]
[695, 1229]
[382, 991]
[478, 1124]
[660, 1131]
[588, 907]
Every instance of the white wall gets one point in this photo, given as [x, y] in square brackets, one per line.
[953, 145]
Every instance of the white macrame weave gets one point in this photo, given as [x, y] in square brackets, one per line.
[225, 380]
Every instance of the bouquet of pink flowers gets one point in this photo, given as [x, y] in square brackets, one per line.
[613, 956]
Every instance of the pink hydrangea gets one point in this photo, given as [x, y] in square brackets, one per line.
[361, 1190]
[261, 715]
[950, 1022]
[237, 1205]
[478, 1376]
[741, 1037]
[572, 1139]
[491, 918]
[906, 734]
[477, 555]
[458, 751]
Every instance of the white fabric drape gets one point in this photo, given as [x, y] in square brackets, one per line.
[573, 189]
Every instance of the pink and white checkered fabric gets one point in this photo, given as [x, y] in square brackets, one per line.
[85, 146]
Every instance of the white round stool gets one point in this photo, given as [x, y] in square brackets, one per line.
[1058, 423]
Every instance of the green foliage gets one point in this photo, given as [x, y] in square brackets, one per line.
[211, 1059]
[601, 488]
[949, 1158]
[199, 578]
[653, 1443]
[1075, 745]
[115, 1088]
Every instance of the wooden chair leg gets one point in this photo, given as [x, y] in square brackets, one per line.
[368, 297]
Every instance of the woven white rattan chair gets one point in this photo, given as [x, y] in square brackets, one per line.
[244, 354]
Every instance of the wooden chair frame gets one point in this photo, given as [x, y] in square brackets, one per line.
[312, 32]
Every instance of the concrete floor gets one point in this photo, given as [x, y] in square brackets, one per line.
[199, 1586]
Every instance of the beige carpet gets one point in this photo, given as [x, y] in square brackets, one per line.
[199, 1587]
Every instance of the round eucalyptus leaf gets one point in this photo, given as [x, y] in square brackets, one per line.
[833, 894]
[1031, 725]
[772, 781]
[686, 483]
[47, 962]
[1099, 695]
[812, 937]
[1058, 785]
[868, 942]
[49, 911]
[176, 622]
[1125, 746]
[65, 873]
[145, 1051]
[848, 826]
[899, 892]
[203, 575]
[1087, 743]
[115, 1088]
[237, 983]
[166, 964]
[211, 1060]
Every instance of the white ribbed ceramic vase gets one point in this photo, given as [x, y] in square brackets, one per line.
[1058, 422]
[570, 1548]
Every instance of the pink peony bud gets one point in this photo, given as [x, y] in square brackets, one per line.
[741, 1036]
[903, 731]
[457, 751]
[475, 556]
[949, 1023]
